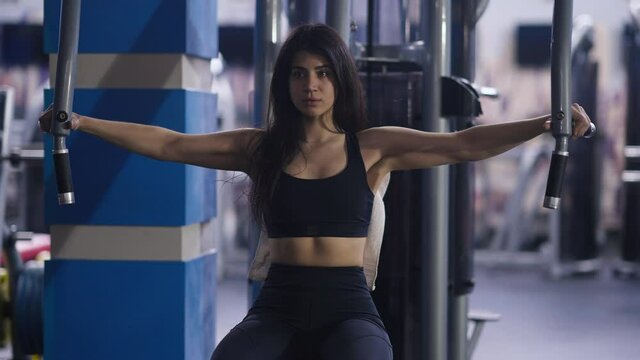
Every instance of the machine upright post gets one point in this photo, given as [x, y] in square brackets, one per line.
[339, 17]
[63, 98]
[464, 16]
[561, 124]
[267, 39]
[434, 249]
[629, 262]
[267, 35]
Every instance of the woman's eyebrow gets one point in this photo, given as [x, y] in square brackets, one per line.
[319, 67]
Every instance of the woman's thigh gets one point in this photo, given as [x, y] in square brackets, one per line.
[356, 339]
[256, 337]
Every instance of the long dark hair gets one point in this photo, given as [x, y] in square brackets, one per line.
[284, 129]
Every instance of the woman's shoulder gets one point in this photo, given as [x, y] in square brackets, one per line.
[252, 137]
[252, 132]
[373, 137]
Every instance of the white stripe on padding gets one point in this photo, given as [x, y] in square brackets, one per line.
[139, 71]
[127, 242]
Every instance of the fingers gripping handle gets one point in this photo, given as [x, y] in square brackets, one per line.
[63, 176]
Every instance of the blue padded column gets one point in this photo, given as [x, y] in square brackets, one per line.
[129, 309]
[106, 296]
[116, 187]
[140, 26]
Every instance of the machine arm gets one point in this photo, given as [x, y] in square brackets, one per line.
[561, 125]
[63, 99]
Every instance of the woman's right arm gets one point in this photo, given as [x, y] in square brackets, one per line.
[225, 150]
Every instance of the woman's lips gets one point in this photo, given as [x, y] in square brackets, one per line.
[311, 102]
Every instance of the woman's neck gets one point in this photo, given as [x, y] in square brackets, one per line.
[320, 129]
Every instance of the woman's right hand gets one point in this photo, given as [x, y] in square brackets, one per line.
[46, 117]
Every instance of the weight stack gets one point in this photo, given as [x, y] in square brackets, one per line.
[630, 244]
[581, 201]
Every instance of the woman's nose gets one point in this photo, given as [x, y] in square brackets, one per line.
[311, 84]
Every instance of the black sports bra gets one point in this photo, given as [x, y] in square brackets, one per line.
[339, 205]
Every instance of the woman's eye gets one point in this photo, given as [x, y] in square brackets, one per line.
[297, 74]
[323, 74]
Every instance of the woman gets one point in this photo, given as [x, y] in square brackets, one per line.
[315, 169]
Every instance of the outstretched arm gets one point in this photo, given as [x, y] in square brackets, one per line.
[404, 149]
[226, 150]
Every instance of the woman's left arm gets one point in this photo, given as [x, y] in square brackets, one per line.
[405, 149]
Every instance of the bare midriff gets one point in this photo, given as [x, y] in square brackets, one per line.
[318, 251]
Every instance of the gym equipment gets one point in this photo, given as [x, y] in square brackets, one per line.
[560, 99]
[394, 76]
[413, 286]
[63, 100]
[629, 262]
[268, 39]
[574, 229]
[26, 285]
[464, 16]
[26, 289]
[338, 17]
[561, 124]
[568, 245]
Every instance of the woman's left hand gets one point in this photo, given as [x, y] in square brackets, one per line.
[581, 121]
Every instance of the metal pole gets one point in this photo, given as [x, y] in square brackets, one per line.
[405, 21]
[63, 99]
[267, 37]
[339, 17]
[465, 14]
[7, 106]
[561, 124]
[459, 310]
[306, 11]
[434, 249]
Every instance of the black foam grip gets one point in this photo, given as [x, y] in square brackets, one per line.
[556, 175]
[63, 172]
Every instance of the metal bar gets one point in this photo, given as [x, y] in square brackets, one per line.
[17, 156]
[405, 21]
[631, 176]
[306, 12]
[267, 35]
[259, 59]
[561, 125]
[267, 38]
[7, 106]
[458, 325]
[475, 336]
[631, 151]
[372, 25]
[339, 17]
[63, 98]
[434, 201]
[463, 47]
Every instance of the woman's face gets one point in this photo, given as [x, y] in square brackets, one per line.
[311, 85]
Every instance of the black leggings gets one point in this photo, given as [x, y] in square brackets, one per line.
[309, 313]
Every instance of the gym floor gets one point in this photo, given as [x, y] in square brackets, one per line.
[588, 318]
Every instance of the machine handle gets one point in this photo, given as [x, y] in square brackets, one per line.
[561, 124]
[63, 176]
[63, 97]
[554, 182]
